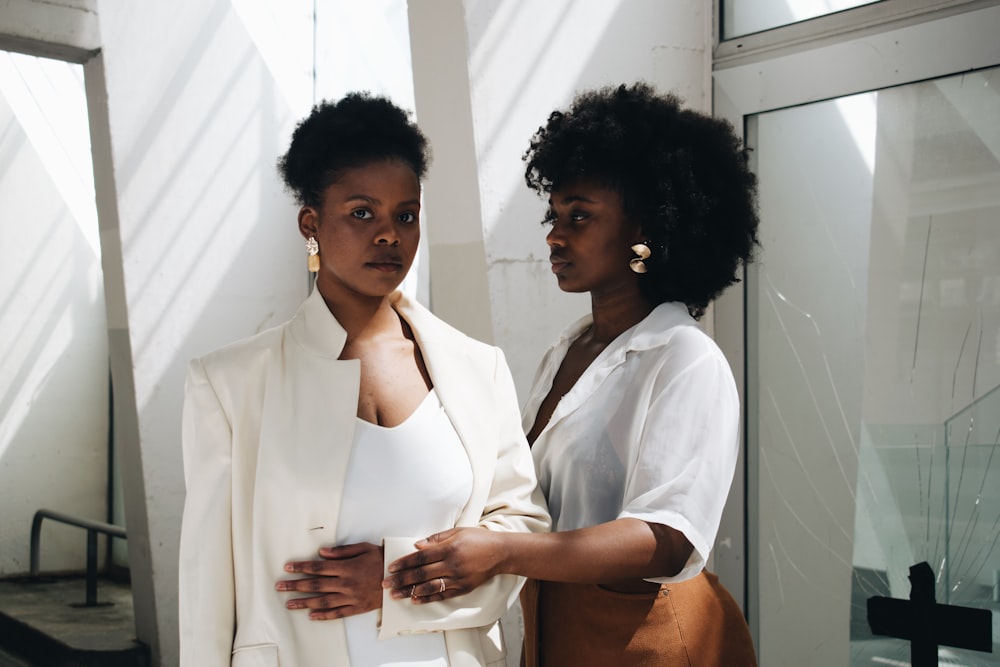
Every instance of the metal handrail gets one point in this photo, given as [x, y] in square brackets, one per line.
[92, 527]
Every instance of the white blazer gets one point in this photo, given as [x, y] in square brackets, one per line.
[267, 431]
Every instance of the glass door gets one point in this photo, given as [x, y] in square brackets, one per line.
[866, 339]
[874, 352]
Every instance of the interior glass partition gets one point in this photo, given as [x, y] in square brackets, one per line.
[873, 361]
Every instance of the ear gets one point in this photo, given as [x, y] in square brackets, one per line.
[308, 221]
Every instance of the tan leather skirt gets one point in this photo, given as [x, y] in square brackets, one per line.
[696, 623]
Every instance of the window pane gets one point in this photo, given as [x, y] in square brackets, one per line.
[874, 351]
[741, 17]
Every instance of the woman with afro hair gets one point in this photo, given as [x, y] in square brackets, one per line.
[318, 450]
[634, 413]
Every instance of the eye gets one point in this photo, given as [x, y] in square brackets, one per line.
[408, 218]
[362, 214]
[578, 216]
[549, 218]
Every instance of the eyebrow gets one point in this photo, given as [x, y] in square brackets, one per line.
[372, 200]
[571, 199]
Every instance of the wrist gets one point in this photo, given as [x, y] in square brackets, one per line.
[505, 553]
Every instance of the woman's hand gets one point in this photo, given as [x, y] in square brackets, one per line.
[344, 583]
[446, 565]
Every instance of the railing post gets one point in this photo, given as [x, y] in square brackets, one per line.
[36, 535]
[93, 528]
[91, 600]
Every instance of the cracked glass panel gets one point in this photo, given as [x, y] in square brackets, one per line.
[873, 324]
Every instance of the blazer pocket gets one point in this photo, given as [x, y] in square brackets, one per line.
[256, 655]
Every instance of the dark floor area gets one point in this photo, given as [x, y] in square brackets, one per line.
[44, 624]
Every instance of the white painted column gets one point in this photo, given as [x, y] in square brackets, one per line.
[458, 268]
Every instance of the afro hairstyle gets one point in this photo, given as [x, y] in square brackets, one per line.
[354, 131]
[683, 175]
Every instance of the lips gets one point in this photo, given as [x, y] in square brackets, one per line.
[386, 263]
[558, 263]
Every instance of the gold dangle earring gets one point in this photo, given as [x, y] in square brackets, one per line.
[312, 250]
[642, 251]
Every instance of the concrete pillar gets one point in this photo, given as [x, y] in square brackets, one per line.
[457, 255]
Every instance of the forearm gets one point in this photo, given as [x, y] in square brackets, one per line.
[612, 551]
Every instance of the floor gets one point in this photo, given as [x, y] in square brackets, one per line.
[44, 623]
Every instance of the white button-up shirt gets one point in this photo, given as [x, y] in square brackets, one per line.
[649, 431]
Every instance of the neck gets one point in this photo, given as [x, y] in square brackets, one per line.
[615, 313]
[363, 317]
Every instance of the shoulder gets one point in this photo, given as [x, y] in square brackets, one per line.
[669, 345]
[243, 354]
[669, 328]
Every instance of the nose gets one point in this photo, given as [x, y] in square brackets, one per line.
[554, 238]
[387, 235]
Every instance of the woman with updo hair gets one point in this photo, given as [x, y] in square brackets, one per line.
[634, 413]
[317, 451]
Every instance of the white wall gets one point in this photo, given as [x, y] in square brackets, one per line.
[54, 361]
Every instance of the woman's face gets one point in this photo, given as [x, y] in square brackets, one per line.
[590, 240]
[368, 229]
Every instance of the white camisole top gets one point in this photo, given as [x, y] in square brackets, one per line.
[410, 479]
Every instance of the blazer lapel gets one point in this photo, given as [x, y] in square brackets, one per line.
[467, 400]
[307, 429]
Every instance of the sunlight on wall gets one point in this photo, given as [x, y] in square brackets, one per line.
[53, 113]
[53, 329]
[364, 46]
[36, 348]
[563, 31]
[200, 192]
[49, 107]
[283, 35]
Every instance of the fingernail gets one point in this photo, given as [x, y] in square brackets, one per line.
[288, 567]
[398, 595]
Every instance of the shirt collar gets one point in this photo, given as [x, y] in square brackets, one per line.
[646, 334]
